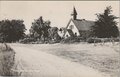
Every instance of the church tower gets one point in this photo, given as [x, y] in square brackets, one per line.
[74, 14]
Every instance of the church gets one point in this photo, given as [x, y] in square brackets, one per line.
[78, 27]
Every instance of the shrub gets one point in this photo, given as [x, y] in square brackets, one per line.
[71, 40]
[7, 56]
[117, 39]
[98, 40]
[93, 40]
[27, 40]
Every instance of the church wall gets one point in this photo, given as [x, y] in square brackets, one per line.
[74, 29]
[67, 35]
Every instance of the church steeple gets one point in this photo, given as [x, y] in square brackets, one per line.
[74, 14]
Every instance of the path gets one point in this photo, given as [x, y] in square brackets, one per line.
[35, 63]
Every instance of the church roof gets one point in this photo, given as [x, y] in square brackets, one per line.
[83, 25]
[70, 32]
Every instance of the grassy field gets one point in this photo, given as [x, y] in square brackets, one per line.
[104, 58]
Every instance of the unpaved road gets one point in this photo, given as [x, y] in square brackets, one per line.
[34, 63]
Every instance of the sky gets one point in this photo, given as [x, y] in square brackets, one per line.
[58, 12]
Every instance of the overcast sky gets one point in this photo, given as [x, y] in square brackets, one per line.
[58, 12]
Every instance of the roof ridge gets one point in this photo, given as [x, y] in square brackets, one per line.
[83, 25]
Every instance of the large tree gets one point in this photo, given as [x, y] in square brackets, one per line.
[39, 28]
[11, 30]
[105, 26]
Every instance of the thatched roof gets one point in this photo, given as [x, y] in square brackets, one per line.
[83, 25]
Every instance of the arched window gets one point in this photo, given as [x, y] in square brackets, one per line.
[75, 34]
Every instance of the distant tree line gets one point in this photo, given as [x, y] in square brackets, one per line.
[14, 30]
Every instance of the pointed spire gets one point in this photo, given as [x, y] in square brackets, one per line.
[74, 13]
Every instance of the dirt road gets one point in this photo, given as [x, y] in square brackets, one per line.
[34, 63]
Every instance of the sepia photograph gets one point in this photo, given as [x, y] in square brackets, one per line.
[60, 38]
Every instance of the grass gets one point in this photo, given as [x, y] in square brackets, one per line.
[103, 63]
[104, 58]
[7, 60]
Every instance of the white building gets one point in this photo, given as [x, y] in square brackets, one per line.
[77, 27]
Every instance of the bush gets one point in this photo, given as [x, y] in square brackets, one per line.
[71, 40]
[117, 39]
[93, 40]
[7, 56]
[98, 40]
[27, 40]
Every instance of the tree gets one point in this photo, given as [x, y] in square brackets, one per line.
[53, 34]
[39, 28]
[105, 26]
[11, 30]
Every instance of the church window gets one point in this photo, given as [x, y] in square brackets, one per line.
[75, 34]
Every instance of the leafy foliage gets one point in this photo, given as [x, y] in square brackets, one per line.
[11, 30]
[39, 28]
[53, 34]
[105, 26]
